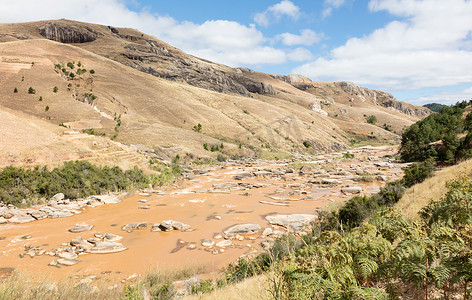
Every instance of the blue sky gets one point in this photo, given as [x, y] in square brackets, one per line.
[418, 50]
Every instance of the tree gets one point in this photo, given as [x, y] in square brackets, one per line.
[15, 90]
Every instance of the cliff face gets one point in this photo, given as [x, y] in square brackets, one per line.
[351, 93]
[154, 57]
[67, 33]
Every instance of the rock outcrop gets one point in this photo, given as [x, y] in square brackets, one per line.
[67, 33]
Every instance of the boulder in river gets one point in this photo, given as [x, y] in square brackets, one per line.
[21, 218]
[134, 226]
[351, 189]
[80, 227]
[173, 225]
[110, 237]
[107, 247]
[207, 243]
[67, 262]
[294, 222]
[107, 199]
[223, 243]
[244, 229]
[79, 242]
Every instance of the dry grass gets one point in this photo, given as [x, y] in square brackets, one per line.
[421, 194]
[23, 286]
[255, 288]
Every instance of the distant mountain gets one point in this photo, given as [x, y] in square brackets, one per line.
[436, 107]
[138, 90]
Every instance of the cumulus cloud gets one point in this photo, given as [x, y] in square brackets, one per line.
[307, 37]
[223, 41]
[427, 46]
[300, 54]
[330, 5]
[276, 11]
[445, 97]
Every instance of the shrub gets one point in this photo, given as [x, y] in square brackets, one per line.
[348, 155]
[418, 172]
[197, 128]
[46, 108]
[15, 90]
[75, 179]
[31, 90]
[55, 89]
[70, 65]
[40, 98]
[356, 210]
[307, 144]
[221, 157]
[205, 146]
[92, 71]
[371, 119]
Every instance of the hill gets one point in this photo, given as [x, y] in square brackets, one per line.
[138, 90]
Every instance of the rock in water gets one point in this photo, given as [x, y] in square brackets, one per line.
[134, 226]
[207, 243]
[242, 229]
[67, 262]
[351, 190]
[294, 222]
[107, 247]
[110, 237]
[223, 243]
[107, 199]
[21, 218]
[80, 227]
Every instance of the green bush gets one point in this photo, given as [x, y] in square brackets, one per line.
[55, 89]
[418, 172]
[15, 90]
[197, 128]
[92, 71]
[307, 144]
[75, 179]
[31, 90]
[371, 119]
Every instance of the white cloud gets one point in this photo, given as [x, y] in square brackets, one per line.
[307, 37]
[426, 47]
[300, 54]
[330, 4]
[276, 11]
[218, 40]
[444, 97]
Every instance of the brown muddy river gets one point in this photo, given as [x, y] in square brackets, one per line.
[207, 208]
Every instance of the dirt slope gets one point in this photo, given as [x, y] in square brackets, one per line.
[146, 92]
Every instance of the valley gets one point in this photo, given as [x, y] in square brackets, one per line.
[210, 200]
